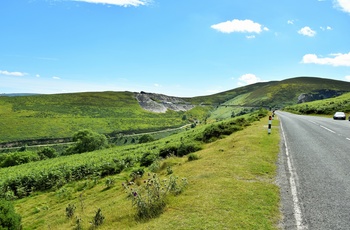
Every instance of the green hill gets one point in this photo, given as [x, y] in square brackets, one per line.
[271, 95]
[61, 115]
[275, 93]
[229, 182]
[228, 167]
[326, 106]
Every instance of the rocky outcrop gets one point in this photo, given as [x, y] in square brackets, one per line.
[159, 103]
[318, 95]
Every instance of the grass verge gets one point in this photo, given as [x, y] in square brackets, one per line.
[231, 186]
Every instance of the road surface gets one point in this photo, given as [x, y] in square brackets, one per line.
[314, 172]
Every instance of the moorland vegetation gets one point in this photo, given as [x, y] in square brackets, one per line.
[116, 171]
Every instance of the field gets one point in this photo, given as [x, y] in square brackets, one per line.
[223, 153]
[61, 115]
[230, 185]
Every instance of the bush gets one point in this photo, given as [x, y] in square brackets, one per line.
[168, 151]
[179, 151]
[98, 219]
[146, 138]
[18, 158]
[216, 131]
[147, 159]
[185, 149]
[47, 153]
[137, 173]
[87, 141]
[150, 198]
[193, 157]
[70, 209]
[109, 182]
[9, 219]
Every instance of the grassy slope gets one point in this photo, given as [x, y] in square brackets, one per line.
[54, 116]
[286, 92]
[326, 106]
[61, 115]
[275, 93]
[231, 186]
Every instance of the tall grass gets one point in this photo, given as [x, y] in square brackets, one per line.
[230, 186]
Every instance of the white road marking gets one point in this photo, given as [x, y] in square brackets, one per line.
[327, 129]
[293, 176]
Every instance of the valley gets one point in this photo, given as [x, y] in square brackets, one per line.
[217, 143]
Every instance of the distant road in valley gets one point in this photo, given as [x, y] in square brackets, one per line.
[314, 172]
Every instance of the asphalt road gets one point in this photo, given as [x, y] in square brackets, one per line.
[314, 172]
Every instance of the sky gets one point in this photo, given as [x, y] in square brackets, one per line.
[182, 48]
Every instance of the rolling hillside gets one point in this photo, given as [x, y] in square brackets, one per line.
[229, 166]
[61, 115]
[275, 93]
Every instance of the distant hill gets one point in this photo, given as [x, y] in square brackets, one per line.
[278, 93]
[16, 94]
[28, 116]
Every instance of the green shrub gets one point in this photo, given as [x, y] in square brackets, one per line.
[18, 158]
[87, 141]
[137, 173]
[109, 183]
[180, 150]
[70, 209]
[168, 151]
[188, 148]
[47, 153]
[98, 219]
[146, 138]
[147, 159]
[193, 157]
[149, 199]
[9, 219]
[155, 166]
[216, 131]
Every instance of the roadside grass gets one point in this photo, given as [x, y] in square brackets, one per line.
[231, 186]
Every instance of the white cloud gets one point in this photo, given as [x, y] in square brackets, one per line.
[250, 36]
[157, 85]
[290, 22]
[124, 3]
[327, 28]
[334, 59]
[344, 5]
[37, 75]
[347, 78]
[56, 78]
[242, 26]
[14, 74]
[307, 31]
[248, 79]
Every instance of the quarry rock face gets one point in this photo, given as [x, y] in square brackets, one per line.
[159, 103]
[318, 95]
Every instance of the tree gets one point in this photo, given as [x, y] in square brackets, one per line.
[9, 219]
[88, 141]
[47, 153]
[146, 138]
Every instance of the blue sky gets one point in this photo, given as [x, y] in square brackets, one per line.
[181, 48]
